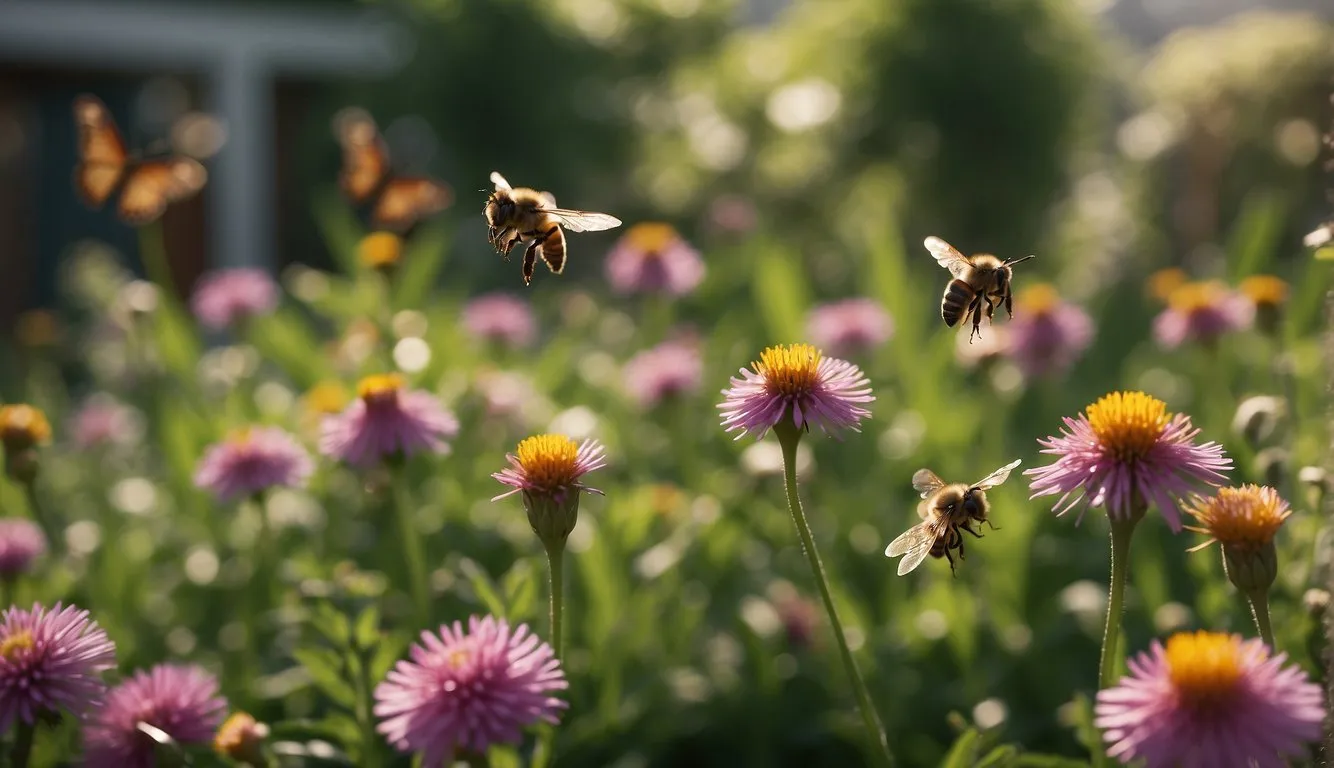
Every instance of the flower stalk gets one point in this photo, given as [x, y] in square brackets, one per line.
[1122, 531]
[788, 438]
[412, 548]
[21, 752]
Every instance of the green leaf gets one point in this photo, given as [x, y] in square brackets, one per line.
[331, 623]
[520, 585]
[503, 757]
[392, 647]
[780, 293]
[423, 257]
[286, 338]
[339, 227]
[1255, 237]
[328, 672]
[484, 586]
[964, 751]
[1046, 761]
[1085, 732]
[367, 631]
[1000, 757]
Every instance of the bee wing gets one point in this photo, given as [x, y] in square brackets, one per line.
[499, 181]
[583, 221]
[947, 255]
[996, 478]
[926, 482]
[914, 544]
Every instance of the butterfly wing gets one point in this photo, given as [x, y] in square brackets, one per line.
[153, 185]
[500, 182]
[914, 544]
[996, 478]
[947, 255]
[102, 155]
[406, 200]
[583, 221]
[926, 482]
[365, 158]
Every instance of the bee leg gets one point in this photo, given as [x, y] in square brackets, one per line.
[950, 558]
[968, 528]
[977, 318]
[1009, 304]
[530, 261]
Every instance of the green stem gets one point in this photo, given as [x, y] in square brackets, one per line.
[1122, 530]
[22, 750]
[546, 743]
[370, 740]
[1259, 600]
[788, 437]
[153, 256]
[39, 515]
[412, 549]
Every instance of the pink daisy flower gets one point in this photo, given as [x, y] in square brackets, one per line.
[550, 465]
[849, 326]
[21, 542]
[1210, 699]
[180, 701]
[1201, 312]
[387, 421]
[253, 460]
[50, 660]
[104, 421]
[1127, 449]
[653, 258]
[467, 691]
[732, 214]
[225, 296]
[672, 368]
[1047, 335]
[798, 380]
[501, 317]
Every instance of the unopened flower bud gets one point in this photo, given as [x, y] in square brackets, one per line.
[1251, 570]
[1316, 602]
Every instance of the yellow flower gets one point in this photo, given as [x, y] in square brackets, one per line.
[1192, 297]
[382, 387]
[22, 427]
[240, 738]
[1037, 298]
[548, 461]
[1244, 518]
[789, 370]
[1128, 424]
[380, 250]
[1164, 281]
[1265, 290]
[1203, 666]
[326, 397]
[651, 236]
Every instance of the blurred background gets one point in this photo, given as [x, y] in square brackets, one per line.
[805, 148]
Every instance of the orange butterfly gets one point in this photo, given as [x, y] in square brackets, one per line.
[397, 202]
[146, 187]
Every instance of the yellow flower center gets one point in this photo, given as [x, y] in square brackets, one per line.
[651, 236]
[1245, 517]
[789, 370]
[380, 388]
[1164, 281]
[379, 250]
[1203, 666]
[22, 426]
[14, 644]
[458, 657]
[239, 436]
[1128, 424]
[238, 736]
[1038, 299]
[1193, 297]
[326, 397]
[1265, 290]
[548, 461]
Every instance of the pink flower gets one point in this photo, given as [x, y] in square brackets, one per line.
[501, 317]
[1047, 335]
[225, 296]
[1210, 699]
[550, 465]
[50, 660]
[387, 421]
[672, 368]
[469, 690]
[849, 326]
[251, 461]
[181, 701]
[732, 214]
[1128, 451]
[1202, 312]
[21, 542]
[798, 380]
[652, 258]
[104, 421]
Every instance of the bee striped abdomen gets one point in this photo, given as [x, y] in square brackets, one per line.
[954, 304]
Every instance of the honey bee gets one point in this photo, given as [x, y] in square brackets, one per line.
[981, 281]
[946, 509]
[520, 214]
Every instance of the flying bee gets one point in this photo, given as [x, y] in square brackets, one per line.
[520, 214]
[981, 281]
[946, 509]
